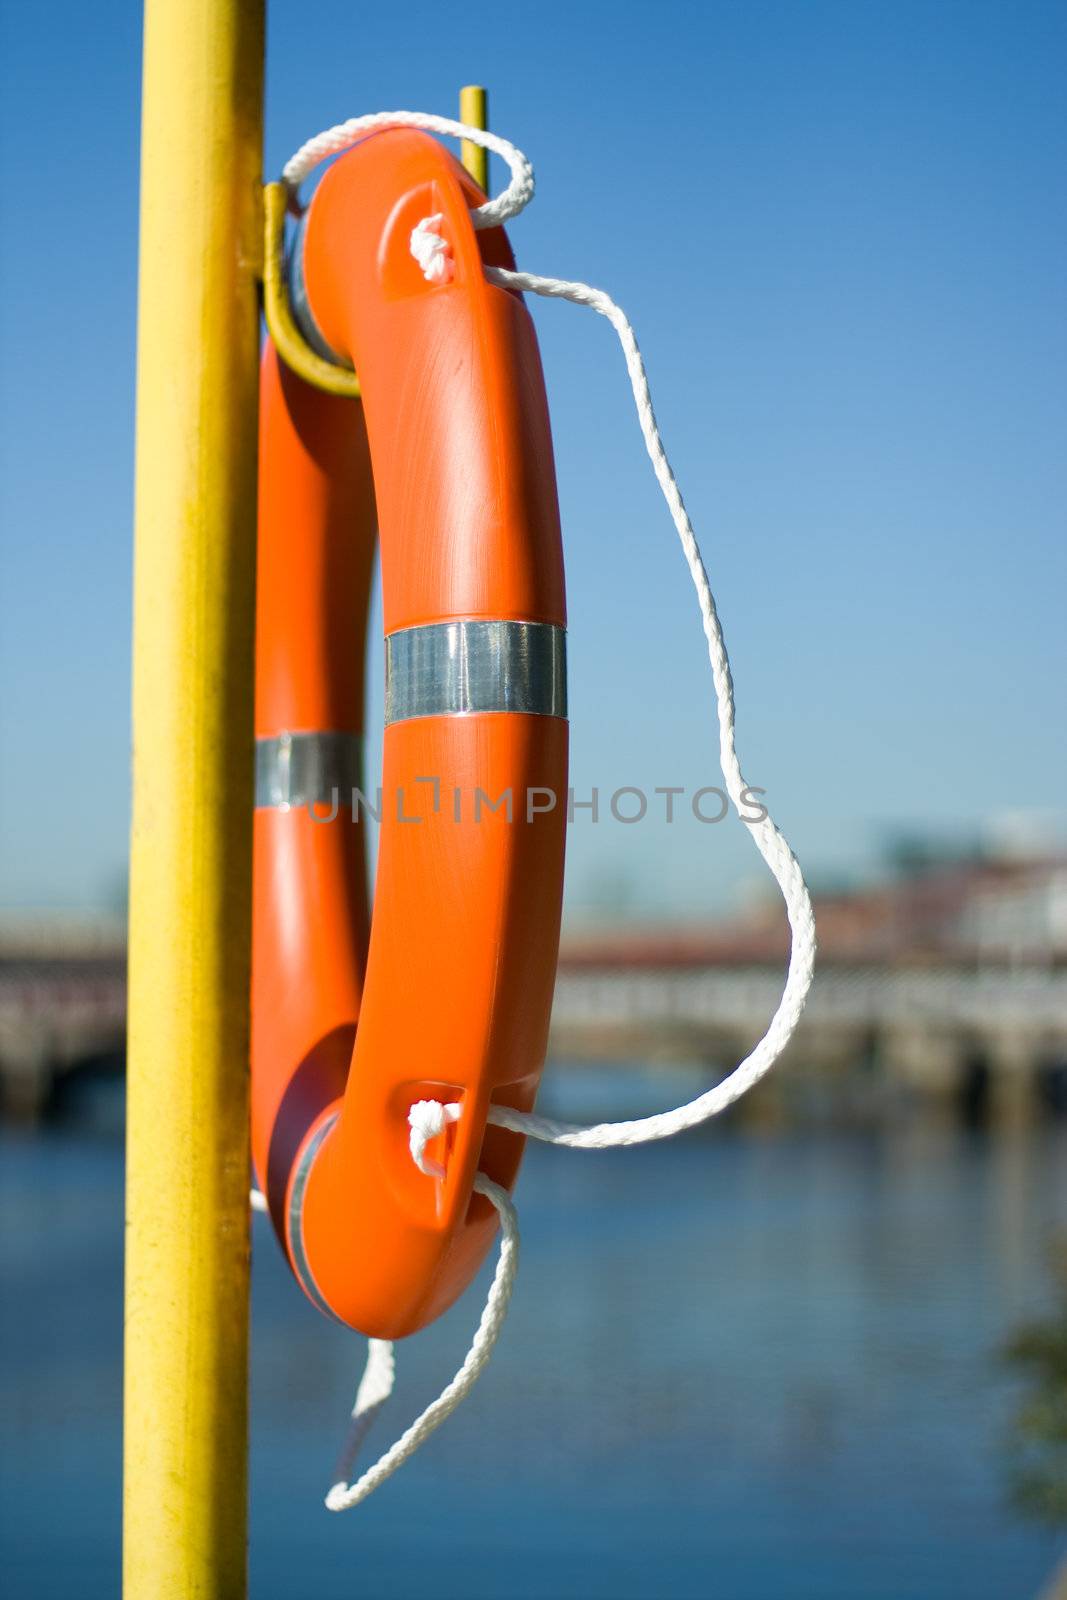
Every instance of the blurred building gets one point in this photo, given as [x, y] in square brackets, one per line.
[961, 913]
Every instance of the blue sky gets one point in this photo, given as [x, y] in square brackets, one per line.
[839, 232]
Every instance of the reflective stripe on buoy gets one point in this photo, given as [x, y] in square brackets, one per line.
[450, 669]
[299, 769]
[295, 1222]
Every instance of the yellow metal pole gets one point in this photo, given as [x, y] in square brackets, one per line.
[474, 111]
[187, 1141]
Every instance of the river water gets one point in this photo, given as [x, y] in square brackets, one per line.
[738, 1366]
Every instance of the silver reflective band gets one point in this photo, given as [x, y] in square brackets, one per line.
[298, 300]
[296, 1217]
[452, 668]
[299, 769]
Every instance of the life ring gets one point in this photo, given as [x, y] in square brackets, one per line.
[446, 993]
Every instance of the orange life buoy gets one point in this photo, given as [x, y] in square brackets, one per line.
[446, 994]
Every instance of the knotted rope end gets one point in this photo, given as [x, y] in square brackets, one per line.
[432, 250]
[427, 1119]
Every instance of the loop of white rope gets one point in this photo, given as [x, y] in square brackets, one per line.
[431, 249]
[518, 193]
[375, 1387]
[766, 836]
[343, 1495]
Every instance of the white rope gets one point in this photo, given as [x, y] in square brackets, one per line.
[375, 1387]
[431, 250]
[343, 1496]
[428, 1118]
[518, 193]
[769, 841]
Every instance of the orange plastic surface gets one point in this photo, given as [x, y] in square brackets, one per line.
[452, 996]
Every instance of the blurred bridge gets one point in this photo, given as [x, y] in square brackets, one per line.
[62, 1004]
[995, 1035]
[940, 1025]
[949, 983]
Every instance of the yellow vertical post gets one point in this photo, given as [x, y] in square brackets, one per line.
[190, 891]
[474, 111]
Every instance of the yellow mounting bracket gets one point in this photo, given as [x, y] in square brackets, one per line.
[289, 341]
[281, 325]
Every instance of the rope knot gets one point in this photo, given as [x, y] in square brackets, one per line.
[432, 250]
[427, 1119]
